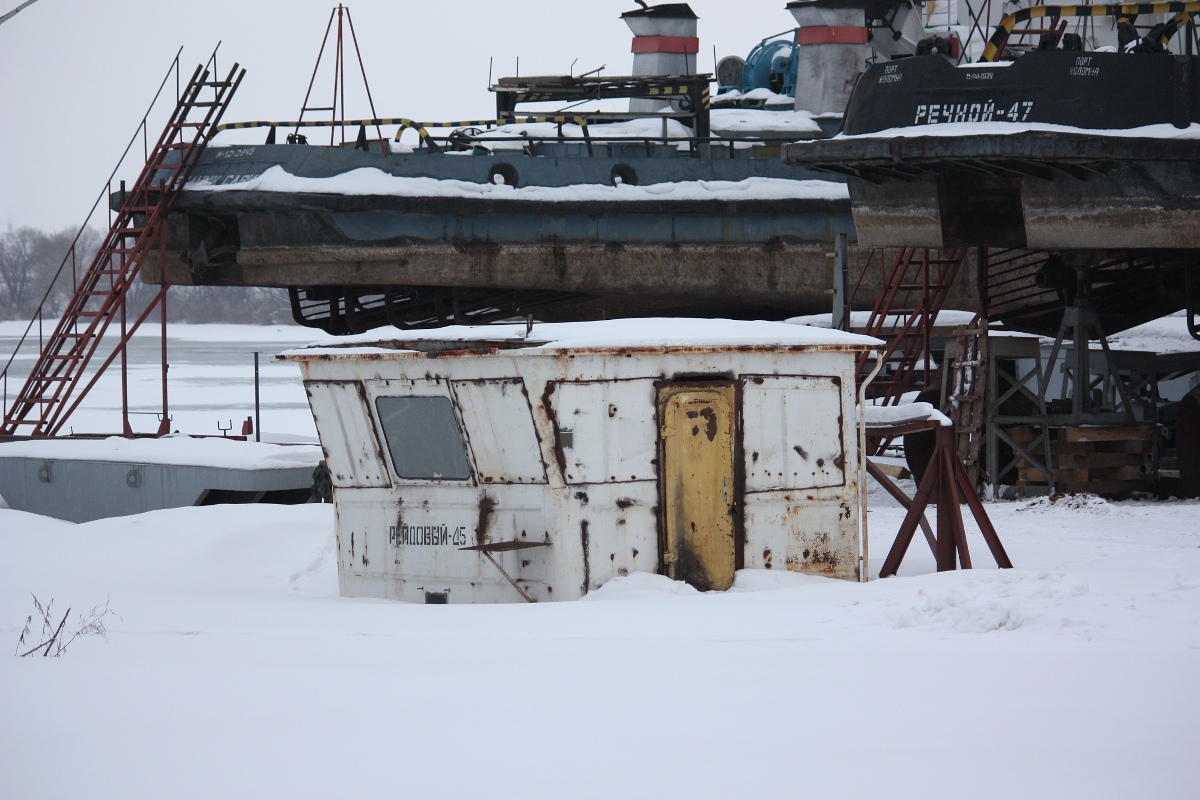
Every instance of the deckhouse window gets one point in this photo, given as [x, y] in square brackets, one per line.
[424, 438]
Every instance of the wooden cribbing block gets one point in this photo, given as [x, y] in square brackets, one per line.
[1107, 433]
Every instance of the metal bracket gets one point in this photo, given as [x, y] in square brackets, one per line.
[500, 547]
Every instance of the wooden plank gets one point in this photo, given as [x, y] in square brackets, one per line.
[1087, 474]
[1023, 435]
[1072, 448]
[1060, 448]
[1098, 460]
[1117, 474]
[1085, 449]
[969, 380]
[1082, 474]
[1071, 476]
[894, 471]
[1126, 446]
[1105, 433]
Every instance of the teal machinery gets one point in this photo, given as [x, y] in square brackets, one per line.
[770, 65]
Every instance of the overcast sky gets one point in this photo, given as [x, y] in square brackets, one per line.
[76, 75]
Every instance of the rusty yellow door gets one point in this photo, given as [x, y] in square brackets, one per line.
[697, 480]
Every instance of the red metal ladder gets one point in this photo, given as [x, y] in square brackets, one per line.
[49, 394]
[915, 287]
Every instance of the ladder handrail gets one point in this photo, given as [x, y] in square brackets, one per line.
[54, 345]
[910, 326]
[155, 218]
[45, 399]
[104, 194]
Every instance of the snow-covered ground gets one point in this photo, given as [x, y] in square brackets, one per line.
[235, 670]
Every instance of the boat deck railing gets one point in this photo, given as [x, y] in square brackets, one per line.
[467, 134]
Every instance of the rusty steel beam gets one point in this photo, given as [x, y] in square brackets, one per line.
[946, 484]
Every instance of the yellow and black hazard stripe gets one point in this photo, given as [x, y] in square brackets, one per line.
[534, 97]
[671, 89]
[461, 123]
[560, 119]
[1126, 11]
[403, 122]
[1180, 20]
[704, 96]
[229, 126]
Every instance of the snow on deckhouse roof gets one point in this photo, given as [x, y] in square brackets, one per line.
[655, 333]
[368, 181]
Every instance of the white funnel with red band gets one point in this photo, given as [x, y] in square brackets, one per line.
[833, 39]
[664, 43]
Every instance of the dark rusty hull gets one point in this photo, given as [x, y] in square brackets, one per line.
[358, 261]
[1127, 209]
[1092, 90]
[734, 259]
[1036, 190]
[559, 261]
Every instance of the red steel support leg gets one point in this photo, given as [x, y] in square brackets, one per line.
[899, 547]
[904, 500]
[946, 483]
[126, 428]
[981, 519]
[164, 426]
[945, 516]
[949, 460]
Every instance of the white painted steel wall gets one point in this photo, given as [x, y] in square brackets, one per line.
[563, 450]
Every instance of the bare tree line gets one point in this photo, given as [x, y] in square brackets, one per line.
[30, 258]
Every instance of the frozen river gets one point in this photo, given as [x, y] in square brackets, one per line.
[210, 380]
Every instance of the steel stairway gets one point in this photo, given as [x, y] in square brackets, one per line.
[915, 288]
[53, 390]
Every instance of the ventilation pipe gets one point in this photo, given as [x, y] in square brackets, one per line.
[664, 43]
[833, 52]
